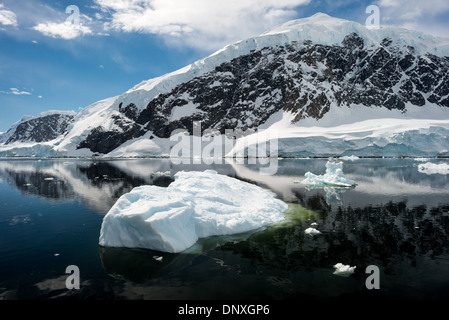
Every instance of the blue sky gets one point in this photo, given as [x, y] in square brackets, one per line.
[51, 59]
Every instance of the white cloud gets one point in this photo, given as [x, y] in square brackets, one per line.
[40, 97]
[419, 15]
[7, 17]
[62, 30]
[205, 24]
[16, 91]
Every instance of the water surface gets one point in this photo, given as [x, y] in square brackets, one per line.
[396, 218]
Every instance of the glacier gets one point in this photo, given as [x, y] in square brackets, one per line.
[196, 205]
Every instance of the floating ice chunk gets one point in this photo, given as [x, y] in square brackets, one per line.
[333, 177]
[195, 205]
[343, 270]
[312, 231]
[158, 258]
[432, 168]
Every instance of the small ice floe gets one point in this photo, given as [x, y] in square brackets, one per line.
[159, 173]
[343, 270]
[433, 168]
[56, 254]
[158, 258]
[49, 179]
[312, 231]
[333, 177]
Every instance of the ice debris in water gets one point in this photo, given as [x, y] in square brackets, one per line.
[195, 205]
[333, 177]
[343, 270]
[158, 258]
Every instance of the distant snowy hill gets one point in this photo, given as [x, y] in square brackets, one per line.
[325, 86]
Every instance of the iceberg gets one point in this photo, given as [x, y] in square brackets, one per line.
[432, 168]
[196, 205]
[333, 177]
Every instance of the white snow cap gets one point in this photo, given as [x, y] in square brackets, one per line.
[319, 28]
[195, 205]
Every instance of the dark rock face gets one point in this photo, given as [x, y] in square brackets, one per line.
[303, 78]
[41, 129]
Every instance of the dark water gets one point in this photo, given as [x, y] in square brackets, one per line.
[396, 218]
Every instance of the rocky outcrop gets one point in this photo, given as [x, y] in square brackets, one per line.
[40, 129]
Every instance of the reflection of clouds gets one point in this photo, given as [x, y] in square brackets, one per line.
[62, 180]
[8, 294]
[20, 219]
[333, 194]
[52, 284]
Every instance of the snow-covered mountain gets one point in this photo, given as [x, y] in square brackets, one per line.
[325, 86]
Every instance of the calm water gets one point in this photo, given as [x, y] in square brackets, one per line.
[396, 218]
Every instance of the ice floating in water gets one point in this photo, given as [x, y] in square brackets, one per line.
[343, 270]
[158, 258]
[432, 168]
[195, 205]
[312, 231]
[333, 177]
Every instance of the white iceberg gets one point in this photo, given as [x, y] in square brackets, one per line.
[432, 168]
[333, 177]
[195, 205]
[343, 270]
